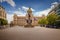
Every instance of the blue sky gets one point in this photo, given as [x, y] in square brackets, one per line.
[19, 7]
[38, 5]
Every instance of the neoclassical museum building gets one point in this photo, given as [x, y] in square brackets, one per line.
[23, 20]
[2, 13]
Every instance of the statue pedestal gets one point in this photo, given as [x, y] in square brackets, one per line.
[29, 23]
[28, 26]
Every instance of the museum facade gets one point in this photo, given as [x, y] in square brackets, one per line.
[24, 20]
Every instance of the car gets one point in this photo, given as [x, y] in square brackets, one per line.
[2, 27]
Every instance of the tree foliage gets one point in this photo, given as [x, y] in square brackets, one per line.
[43, 21]
[3, 22]
[52, 18]
[58, 21]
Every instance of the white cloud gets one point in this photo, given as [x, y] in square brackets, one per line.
[11, 2]
[19, 13]
[19, 9]
[45, 12]
[54, 4]
[26, 8]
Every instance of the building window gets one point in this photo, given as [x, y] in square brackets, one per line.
[58, 11]
[0, 13]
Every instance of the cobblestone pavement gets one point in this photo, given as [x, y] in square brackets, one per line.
[36, 33]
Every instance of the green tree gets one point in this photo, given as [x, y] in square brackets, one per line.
[3, 22]
[43, 21]
[58, 21]
[52, 18]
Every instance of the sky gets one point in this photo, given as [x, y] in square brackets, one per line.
[19, 7]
